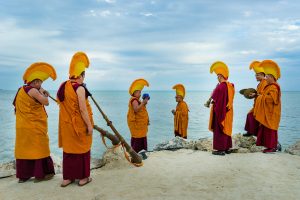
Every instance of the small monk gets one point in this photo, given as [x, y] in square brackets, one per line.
[75, 123]
[137, 116]
[267, 110]
[252, 125]
[32, 150]
[181, 114]
[221, 114]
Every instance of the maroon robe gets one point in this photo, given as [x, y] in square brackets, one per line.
[139, 144]
[267, 137]
[251, 125]
[75, 166]
[38, 168]
[221, 141]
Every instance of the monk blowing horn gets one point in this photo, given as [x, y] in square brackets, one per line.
[135, 158]
[114, 140]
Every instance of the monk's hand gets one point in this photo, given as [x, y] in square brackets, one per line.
[90, 130]
[173, 112]
[145, 101]
[252, 94]
[46, 93]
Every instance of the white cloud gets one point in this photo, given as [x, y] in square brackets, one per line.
[148, 14]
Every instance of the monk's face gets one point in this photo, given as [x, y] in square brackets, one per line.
[270, 78]
[221, 78]
[37, 83]
[137, 94]
[178, 98]
[260, 76]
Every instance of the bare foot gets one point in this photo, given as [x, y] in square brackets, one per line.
[65, 183]
[84, 181]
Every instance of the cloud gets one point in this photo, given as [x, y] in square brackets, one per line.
[163, 41]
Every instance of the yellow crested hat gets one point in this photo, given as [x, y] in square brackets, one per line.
[255, 65]
[138, 84]
[39, 70]
[271, 67]
[79, 62]
[180, 90]
[220, 68]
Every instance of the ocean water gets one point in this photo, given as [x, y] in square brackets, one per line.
[115, 105]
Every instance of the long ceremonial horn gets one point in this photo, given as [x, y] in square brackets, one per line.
[114, 140]
[53, 99]
[135, 158]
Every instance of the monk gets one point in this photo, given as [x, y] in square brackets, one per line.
[75, 123]
[252, 125]
[137, 116]
[181, 114]
[268, 108]
[32, 151]
[221, 115]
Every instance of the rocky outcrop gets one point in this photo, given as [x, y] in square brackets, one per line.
[240, 144]
[294, 149]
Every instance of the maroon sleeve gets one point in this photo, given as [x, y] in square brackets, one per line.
[61, 92]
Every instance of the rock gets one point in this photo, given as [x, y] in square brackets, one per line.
[239, 141]
[203, 144]
[97, 163]
[255, 148]
[115, 159]
[294, 149]
[174, 144]
[243, 150]
[7, 169]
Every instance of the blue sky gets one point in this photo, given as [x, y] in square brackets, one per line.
[166, 42]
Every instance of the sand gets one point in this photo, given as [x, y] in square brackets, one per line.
[182, 174]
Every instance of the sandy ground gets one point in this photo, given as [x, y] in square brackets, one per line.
[183, 174]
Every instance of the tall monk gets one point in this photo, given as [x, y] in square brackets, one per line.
[267, 110]
[252, 125]
[137, 116]
[221, 114]
[181, 114]
[32, 151]
[75, 123]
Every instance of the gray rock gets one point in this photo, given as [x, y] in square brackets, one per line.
[294, 149]
[243, 150]
[203, 144]
[239, 141]
[7, 169]
[174, 144]
[97, 163]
